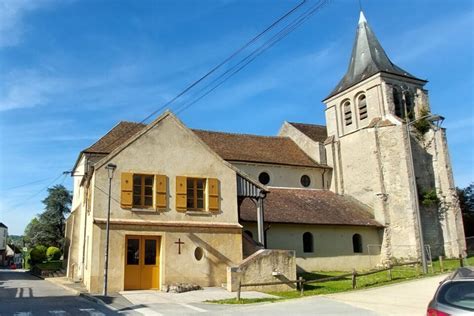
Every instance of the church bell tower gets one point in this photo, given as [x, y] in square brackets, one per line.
[387, 153]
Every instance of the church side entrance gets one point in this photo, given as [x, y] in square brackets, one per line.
[142, 262]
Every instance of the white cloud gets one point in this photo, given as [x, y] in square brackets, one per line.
[12, 14]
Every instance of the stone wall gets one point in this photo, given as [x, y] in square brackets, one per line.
[265, 265]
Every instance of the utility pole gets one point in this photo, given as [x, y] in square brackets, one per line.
[110, 168]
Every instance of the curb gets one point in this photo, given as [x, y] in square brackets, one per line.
[96, 300]
[76, 292]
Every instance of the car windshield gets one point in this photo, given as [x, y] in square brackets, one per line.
[458, 294]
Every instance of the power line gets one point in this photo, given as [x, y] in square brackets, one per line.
[26, 184]
[256, 53]
[231, 56]
[37, 193]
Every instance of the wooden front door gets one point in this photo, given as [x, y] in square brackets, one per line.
[142, 262]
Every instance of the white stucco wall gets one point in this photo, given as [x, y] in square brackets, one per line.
[332, 245]
[285, 176]
[3, 238]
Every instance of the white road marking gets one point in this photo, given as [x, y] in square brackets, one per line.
[91, 311]
[58, 312]
[193, 307]
[23, 314]
[147, 311]
[17, 295]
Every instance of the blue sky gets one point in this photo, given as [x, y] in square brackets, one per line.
[70, 70]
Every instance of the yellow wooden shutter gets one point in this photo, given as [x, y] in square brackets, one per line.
[181, 191]
[213, 194]
[126, 196]
[161, 192]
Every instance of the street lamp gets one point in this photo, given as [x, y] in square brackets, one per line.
[110, 169]
[430, 118]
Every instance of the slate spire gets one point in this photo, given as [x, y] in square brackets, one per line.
[368, 58]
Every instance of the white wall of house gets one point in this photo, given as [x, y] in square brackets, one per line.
[333, 248]
[285, 176]
[3, 238]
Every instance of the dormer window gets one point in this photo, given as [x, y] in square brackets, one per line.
[347, 112]
[362, 104]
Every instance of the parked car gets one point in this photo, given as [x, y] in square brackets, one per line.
[455, 295]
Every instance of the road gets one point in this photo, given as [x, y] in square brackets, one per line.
[22, 294]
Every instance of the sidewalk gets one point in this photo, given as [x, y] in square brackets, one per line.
[140, 300]
[406, 298]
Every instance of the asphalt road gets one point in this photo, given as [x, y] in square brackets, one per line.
[22, 294]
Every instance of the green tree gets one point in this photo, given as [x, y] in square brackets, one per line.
[33, 233]
[466, 202]
[52, 220]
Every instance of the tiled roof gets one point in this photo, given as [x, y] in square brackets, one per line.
[3, 225]
[368, 58]
[115, 137]
[253, 148]
[309, 206]
[318, 133]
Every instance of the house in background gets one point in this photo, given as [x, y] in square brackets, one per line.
[188, 204]
[3, 243]
[13, 256]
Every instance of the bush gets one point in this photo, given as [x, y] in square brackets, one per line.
[53, 253]
[38, 254]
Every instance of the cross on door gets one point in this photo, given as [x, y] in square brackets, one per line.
[179, 243]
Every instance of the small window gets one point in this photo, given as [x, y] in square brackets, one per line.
[195, 193]
[142, 191]
[264, 178]
[362, 103]
[347, 113]
[198, 253]
[357, 243]
[308, 242]
[305, 181]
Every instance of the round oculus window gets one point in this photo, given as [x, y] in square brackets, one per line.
[264, 178]
[198, 253]
[305, 181]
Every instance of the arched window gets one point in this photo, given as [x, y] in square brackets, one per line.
[308, 242]
[357, 243]
[362, 104]
[397, 101]
[346, 107]
[409, 105]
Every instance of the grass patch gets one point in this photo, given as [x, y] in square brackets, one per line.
[50, 265]
[399, 274]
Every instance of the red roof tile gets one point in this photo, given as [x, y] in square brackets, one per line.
[115, 137]
[253, 148]
[318, 133]
[306, 206]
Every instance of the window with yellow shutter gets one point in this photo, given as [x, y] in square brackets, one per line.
[144, 191]
[195, 194]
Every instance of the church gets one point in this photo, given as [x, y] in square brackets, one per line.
[373, 186]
